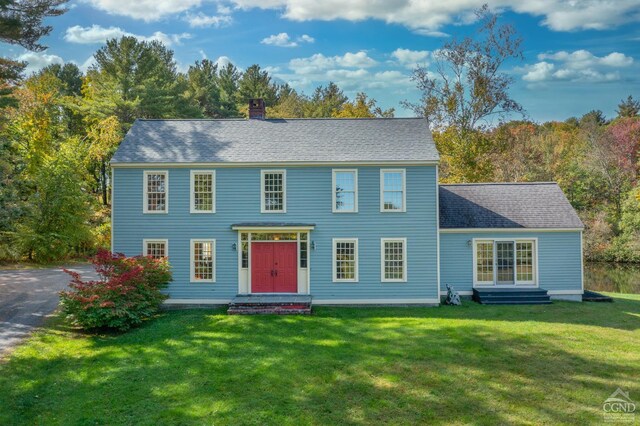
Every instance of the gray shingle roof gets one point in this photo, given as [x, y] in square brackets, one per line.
[506, 205]
[263, 141]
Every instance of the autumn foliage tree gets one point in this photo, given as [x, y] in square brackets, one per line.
[467, 93]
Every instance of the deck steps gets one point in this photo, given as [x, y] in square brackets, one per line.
[511, 296]
[270, 305]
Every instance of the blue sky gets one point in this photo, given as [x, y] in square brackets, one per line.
[579, 54]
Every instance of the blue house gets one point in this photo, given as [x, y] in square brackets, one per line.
[348, 211]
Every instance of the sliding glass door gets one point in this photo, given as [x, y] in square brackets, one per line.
[504, 262]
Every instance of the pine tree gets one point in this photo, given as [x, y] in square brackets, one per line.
[256, 83]
[203, 88]
[228, 78]
[326, 100]
[629, 107]
[21, 24]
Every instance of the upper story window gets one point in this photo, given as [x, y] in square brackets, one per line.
[274, 191]
[156, 249]
[394, 259]
[203, 191]
[156, 192]
[505, 262]
[392, 190]
[345, 191]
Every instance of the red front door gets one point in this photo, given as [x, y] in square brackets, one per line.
[274, 267]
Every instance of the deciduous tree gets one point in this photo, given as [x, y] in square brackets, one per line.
[362, 107]
[468, 90]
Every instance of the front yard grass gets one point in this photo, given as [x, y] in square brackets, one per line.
[471, 364]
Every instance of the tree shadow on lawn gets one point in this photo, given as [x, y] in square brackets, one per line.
[623, 314]
[341, 366]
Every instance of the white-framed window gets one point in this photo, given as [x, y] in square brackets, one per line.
[156, 191]
[345, 260]
[505, 261]
[393, 197]
[203, 191]
[345, 190]
[155, 248]
[393, 255]
[203, 260]
[273, 191]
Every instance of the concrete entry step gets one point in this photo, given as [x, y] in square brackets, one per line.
[270, 304]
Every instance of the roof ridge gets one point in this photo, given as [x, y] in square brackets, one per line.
[499, 183]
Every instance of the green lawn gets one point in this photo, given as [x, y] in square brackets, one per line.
[470, 364]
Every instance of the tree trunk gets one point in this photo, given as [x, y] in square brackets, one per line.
[103, 172]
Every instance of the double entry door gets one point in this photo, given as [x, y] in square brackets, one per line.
[274, 267]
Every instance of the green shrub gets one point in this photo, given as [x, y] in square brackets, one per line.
[126, 294]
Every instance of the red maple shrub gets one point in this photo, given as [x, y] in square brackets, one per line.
[126, 293]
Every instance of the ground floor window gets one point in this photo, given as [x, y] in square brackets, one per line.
[155, 248]
[345, 260]
[394, 259]
[203, 253]
[505, 262]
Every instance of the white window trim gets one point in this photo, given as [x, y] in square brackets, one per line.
[155, 240]
[355, 192]
[516, 283]
[333, 260]
[476, 282]
[192, 260]
[145, 183]
[284, 190]
[404, 190]
[404, 264]
[192, 188]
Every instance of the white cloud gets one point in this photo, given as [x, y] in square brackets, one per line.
[360, 59]
[92, 34]
[223, 9]
[410, 58]
[432, 33]
[582, 59]
[280, 40]
[318, 62]
[539, 72]
[200, 20]
[146, 10]
[37, 60]
[616, 59]
[97, 34]
[223, 61]
[352, 71]
[284, 40]
[306, 38]
[577, 66]
[347, 74]
[430, 16]
[88, 63]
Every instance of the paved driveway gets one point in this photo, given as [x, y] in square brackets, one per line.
[27, 297]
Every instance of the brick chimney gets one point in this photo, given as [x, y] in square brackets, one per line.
[257, 109]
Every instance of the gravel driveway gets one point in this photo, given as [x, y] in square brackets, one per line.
[27, 297]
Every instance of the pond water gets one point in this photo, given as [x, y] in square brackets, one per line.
[612, 277]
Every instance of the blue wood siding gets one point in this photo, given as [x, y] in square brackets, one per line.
[559, 259]
[309, 200]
